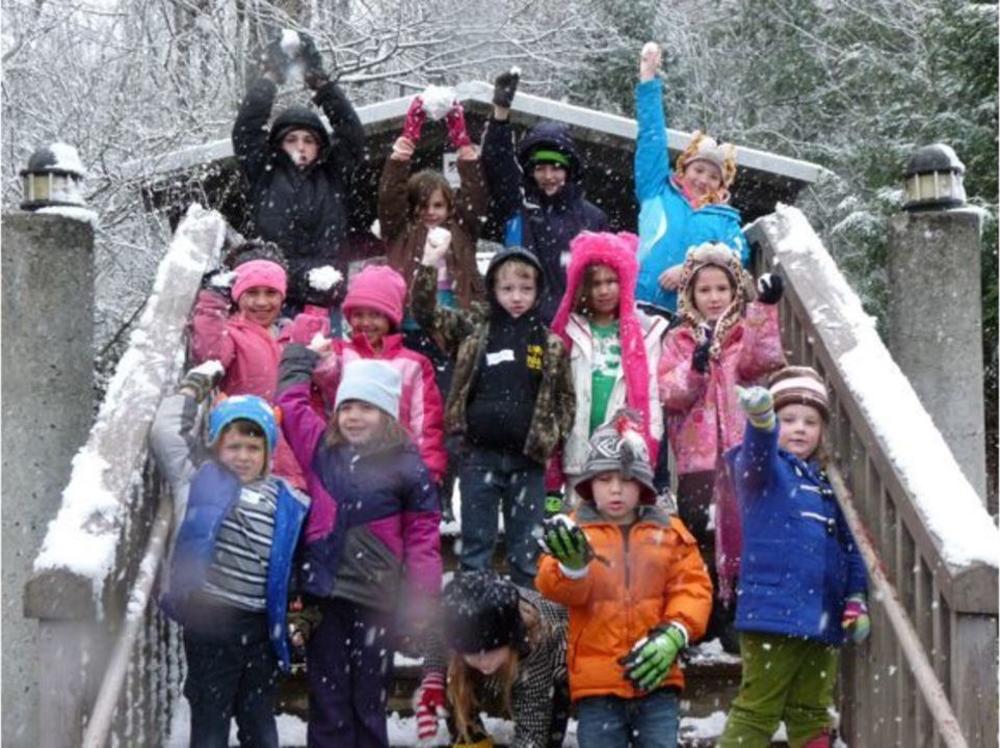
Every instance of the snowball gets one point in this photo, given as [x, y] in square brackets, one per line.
[515, 70]
[324, 278]
[439, 237]
[438, 100]
[291, 43]
[210, 368]
[318, 340]
[650, 48]
[223, 280]
[376, 229]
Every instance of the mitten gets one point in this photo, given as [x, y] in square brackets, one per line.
[505, 86]
[650, 658]
[415, 118]
[455, 121]
[553, 503]
[649, 61]
[758, 403]
[436, 246]
[700, 357]
[430, 704]
[314, 76]
[220, 281]
[273, 60]
[856, 622]
[770, 288]
[566, 542]
[202, 379]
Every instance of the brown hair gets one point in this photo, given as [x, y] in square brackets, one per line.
[581, 305]
[462, 679]
[422, 185]
[393, 434]
[688, 289]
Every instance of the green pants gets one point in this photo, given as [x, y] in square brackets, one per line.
[784, 678]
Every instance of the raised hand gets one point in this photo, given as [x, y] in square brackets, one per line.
[457, 131]
[758, 403]
[770, 288]
[649, 61]
[505, 86]
[202, 379]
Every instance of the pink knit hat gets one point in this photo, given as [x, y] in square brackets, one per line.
[377, 287]
[259, 273]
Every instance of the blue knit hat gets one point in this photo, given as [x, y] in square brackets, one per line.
[374, 382]
[243, 407]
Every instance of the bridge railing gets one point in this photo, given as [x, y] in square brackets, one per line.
[934, 540]
[94, 574]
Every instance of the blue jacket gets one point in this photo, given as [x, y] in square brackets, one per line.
[668, 224]
[207, 494]
[541, 224]
[800, 562]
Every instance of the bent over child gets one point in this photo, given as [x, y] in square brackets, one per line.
[228, 573]
[637, 593]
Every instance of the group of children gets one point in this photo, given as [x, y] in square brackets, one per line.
[558, 390]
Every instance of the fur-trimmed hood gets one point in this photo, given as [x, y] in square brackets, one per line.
[723, 257]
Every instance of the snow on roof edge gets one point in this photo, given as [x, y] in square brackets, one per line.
[951, 508]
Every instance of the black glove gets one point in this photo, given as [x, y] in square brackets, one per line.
[770, 288]
[504, 88]
[202, 379]
[699, 360]
[273, 60]
[315, 76]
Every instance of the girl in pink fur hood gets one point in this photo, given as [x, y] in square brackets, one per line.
[614, 348]
[725, 338]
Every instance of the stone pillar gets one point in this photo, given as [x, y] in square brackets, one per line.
[936, 326]
[47, 408]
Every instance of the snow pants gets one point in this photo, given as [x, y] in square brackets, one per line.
[784, 678]
[349, 668]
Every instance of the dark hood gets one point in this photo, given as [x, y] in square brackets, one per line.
[298, 117]
[555, 136]
[511, 253]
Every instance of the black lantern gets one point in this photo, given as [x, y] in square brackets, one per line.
[933, 179]
[53, 177]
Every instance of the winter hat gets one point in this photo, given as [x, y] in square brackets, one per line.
[618, 445]
[481, 612]
[514, 253]
[377, 287]
[554, 137]
[259, 273]
[243, 407]
[800, 384]
[549, 156]
[726, 259]
[375, 382]
[617, 251]
[703, 147]
[297, 117]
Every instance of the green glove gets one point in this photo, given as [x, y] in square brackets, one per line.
[759, 406]
[563, 539]
[650, 659]
[553, 503]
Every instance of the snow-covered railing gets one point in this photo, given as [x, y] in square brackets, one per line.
[936, 544]
[89, 577]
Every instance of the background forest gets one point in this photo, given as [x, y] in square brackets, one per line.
[853, 86]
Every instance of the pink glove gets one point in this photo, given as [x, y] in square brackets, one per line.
[431, 701]
[455, 120]
[415, 118]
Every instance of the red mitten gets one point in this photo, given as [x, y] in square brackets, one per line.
[415, 118]
[455, 121]
[430, 704]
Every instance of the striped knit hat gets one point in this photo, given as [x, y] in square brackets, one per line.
[802, 385]
[618, 446]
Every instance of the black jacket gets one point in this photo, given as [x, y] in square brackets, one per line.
[302, 211]
[541, 224]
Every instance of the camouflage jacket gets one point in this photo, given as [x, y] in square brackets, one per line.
[463, 335]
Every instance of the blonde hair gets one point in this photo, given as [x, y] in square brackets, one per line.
[517, 268]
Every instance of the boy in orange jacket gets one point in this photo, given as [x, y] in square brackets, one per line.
[637, 591]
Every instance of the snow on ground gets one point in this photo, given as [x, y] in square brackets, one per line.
[946, 500]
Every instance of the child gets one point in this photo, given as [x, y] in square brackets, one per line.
[511, 398]
[503, 643]
[245, 341]
[614, 348]
[410, 207]
[637, 592]
[723, 339]
[802, 581]
[374, 309]
[298, 174]
[374, 520]
[678, 210]
[537, 194]
[228, 575]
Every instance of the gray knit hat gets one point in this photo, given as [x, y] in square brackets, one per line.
[374, 382]
[618, 445]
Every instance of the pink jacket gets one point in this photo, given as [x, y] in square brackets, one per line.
[250, 355]
[704, 418]
[421, 410]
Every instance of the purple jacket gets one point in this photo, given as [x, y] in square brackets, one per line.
[381, 505]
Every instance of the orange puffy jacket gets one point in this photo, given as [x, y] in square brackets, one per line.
[658, 577]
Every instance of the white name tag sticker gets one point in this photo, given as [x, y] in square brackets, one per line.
[499, 357]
